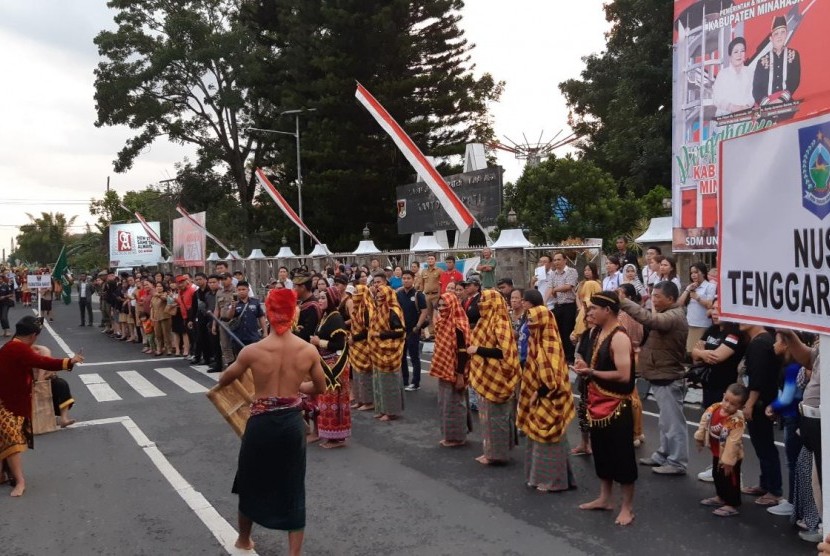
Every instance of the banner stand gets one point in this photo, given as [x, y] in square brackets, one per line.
[824, 346]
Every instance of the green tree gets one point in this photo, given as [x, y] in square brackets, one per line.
[412, 55]
[180, 70]
[564, 198]
[87, 251]
[621, 104]
[41, 240]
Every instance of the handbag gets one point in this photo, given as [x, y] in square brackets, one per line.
[698, 374]
[236, 322]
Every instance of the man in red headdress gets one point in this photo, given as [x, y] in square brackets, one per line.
[270, 479]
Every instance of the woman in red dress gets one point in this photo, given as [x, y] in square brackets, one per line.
[334, 418]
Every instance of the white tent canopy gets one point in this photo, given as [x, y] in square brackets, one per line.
[659, 231]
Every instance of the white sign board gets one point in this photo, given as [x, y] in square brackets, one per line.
[131, 246]
[42, 281]
[774, 253]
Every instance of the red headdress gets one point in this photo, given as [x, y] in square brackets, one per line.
[281, 305]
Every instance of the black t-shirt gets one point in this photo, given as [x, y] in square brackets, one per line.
[725, 373]
[762, 367]
[412, 302]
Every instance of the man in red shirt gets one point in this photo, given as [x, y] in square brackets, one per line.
[17, 360]
[451, 274]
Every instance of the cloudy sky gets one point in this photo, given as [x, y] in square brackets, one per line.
[53, 159]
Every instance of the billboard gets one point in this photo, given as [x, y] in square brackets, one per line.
[131, 246]
[189, 241]
[420, 211]
[740, 67]
[775, 188]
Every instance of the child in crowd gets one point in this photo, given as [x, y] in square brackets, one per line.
[721, 429]
[148, 328]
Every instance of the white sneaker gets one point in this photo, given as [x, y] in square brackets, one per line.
[782, 508]
[706, 475]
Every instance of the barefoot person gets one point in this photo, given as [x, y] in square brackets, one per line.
[610, 377]
[546, 405]
[270, 479]
[62, 400]
[359, 354]
[386, 344]
[450, 366]
[17, 363]
[494, 373]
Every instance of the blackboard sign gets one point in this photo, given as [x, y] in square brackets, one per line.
[480, 191]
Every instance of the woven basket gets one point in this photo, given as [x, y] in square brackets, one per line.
[43, 411]
[233, 401]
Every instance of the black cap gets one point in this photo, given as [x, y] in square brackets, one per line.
[503, 281]
[28, 325]
[472, 279]
[779, 21]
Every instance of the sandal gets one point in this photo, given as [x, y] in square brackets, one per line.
[768, 500]
[753, 491]
[714, 502]
[725, 512]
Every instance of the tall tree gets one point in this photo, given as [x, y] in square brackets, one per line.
[413, 56]
[181, 70]
[564, 198]
[41, 240]
[621, 105]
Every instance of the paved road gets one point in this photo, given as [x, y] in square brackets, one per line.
[153, 476]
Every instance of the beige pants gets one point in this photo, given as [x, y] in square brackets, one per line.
[432, 302]
[164, 334]
[695, 335]
[226, 344]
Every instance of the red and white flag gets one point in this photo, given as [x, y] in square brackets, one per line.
[196, 223]
[151, 233]
[282, 203]
[460, 214]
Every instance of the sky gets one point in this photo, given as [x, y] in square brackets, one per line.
[53, 158]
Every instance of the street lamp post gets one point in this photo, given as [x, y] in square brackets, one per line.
[296, 135]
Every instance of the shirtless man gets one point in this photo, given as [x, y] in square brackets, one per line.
[270, 480]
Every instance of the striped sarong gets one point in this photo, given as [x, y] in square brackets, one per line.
[454, 412]
[15, 433]
[547, 466]
[363, 389]
[388, 392]
[497, 431]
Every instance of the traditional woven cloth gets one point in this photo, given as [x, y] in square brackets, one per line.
[546, 368]
[445, 358]
[497, 431]
[386, 353]
[388, 392]
[15, 433]
[452, 404]
[547, 465]
[359, 353]
[364, 389]
[494, 379]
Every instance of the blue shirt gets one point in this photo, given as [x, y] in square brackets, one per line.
[524, 336]
[395, 282]
[786, 404]
[249, 314]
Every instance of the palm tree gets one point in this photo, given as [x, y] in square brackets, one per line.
[42, 239]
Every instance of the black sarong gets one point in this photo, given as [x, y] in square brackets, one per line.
[613, 448]
[270, 479]
[61, 396]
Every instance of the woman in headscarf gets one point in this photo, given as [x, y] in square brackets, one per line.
[494, 372]
[334, 418]
[359, 353]
[546, 405]
[386, 344]
[449, 366]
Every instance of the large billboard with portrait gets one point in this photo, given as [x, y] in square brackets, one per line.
[739, 67]
[420, 211]
[131, 246]
[189, 241]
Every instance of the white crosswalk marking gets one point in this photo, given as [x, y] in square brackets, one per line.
[99, 388]
[141, 384]
[203, 369]
[187, 384]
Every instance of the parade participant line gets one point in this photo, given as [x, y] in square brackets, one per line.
[213, 520]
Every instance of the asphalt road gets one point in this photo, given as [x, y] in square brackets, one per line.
[152, 470]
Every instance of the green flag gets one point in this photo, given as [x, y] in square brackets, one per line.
[60, 273]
